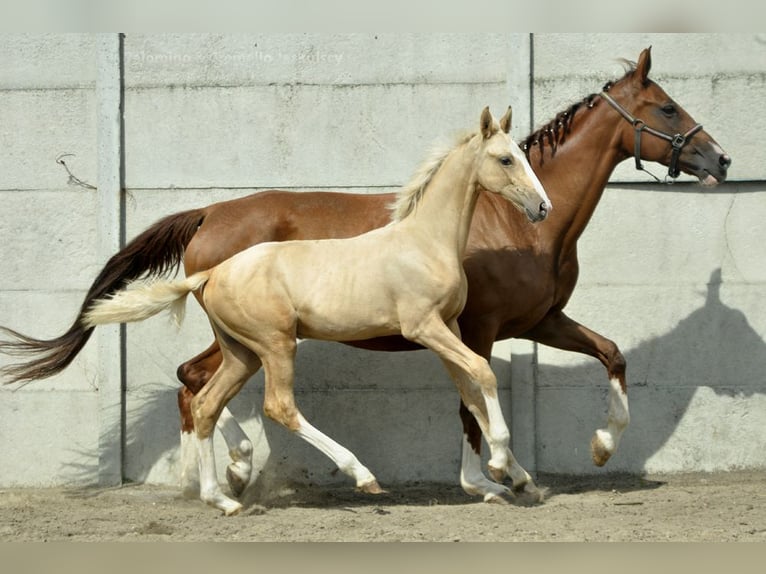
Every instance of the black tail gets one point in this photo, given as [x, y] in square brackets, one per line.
[157, 251]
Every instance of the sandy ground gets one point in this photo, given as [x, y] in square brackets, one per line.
[700, 507]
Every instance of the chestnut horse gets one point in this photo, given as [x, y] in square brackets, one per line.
[573, 155]
[405, 278]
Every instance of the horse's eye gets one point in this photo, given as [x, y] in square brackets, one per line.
[505, 160]
[669, 110]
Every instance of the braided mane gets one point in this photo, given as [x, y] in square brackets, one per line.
[555, 132]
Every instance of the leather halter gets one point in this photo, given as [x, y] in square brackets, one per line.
[677, 141]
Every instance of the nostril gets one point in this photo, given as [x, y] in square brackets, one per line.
[543, 207]
[724, 161]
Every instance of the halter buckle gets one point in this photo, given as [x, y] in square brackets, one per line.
[678, 141]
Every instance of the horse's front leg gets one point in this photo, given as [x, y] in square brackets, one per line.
[194, 374]
[559, 331]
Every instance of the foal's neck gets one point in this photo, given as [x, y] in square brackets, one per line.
[447, 206]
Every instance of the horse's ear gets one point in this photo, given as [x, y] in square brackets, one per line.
[505, 121]
[644, 64]
[487, 123]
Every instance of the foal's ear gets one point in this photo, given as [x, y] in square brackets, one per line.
[487, 124]
[505, 121]
[644, 65]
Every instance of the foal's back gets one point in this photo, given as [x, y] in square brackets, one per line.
[332, 289]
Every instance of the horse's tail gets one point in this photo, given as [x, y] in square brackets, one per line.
[143, 299]
[156, 252]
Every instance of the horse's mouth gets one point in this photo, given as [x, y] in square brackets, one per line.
[707, 179]
[536, 216]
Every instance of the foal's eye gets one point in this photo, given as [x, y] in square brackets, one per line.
[669, 110]
[505, 160]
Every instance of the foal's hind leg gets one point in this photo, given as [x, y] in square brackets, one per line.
[279, 405]
[194, 374]
[238, 364]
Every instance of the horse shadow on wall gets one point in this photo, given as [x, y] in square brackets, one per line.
[713, 353]
[715, 347]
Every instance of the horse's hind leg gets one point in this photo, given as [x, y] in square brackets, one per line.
[194, 374]
[279, 405]
[559, 331]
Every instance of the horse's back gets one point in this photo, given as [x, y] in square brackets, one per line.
[229, 227]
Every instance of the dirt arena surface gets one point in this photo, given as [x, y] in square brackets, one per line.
[726, 507]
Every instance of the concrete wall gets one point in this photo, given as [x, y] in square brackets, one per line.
[673, 274]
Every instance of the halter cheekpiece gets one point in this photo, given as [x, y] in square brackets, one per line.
[677, 141]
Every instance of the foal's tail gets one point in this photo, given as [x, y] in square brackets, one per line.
[143, 299]
[154, 253]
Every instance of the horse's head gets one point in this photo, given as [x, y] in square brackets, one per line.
[504, 169]
[658, 129]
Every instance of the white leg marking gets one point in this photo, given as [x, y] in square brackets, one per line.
[617, 420]
[519, 476]
[472, 479]
[341, 456]
[210, 491]
[189, 465]
[498, 436]
[238, 473]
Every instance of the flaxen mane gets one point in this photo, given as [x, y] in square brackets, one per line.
[555, 132]
[410, 195]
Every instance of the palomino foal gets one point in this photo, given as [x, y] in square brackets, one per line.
[405, 278]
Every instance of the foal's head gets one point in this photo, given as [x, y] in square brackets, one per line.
[503, 168]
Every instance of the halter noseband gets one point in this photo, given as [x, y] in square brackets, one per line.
[677, 141]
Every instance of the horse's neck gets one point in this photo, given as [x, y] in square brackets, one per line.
[576, 175]
[447, 206]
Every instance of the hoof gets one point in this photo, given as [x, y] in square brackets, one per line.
[599, 451]
[495, 498]
[237, 483]
[233, 511]
[529, 495]
[190, 489]
[371, 488]
[497, 474]
[226, 505]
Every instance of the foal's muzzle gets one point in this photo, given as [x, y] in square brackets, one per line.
[540, 214]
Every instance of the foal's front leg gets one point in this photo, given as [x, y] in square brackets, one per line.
[475, 381]
[480, 338]
[559, 331]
